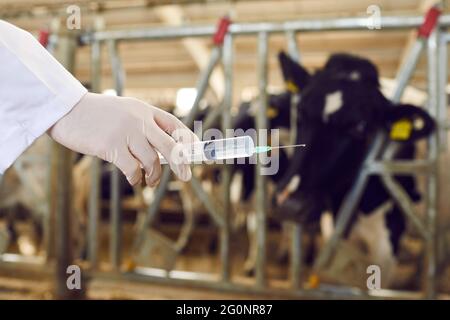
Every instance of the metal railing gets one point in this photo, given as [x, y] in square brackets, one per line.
[436, 46]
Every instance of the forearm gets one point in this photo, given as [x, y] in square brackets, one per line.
[35, 92]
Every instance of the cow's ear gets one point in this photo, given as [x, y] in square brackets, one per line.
[295, 76]
[406, 123]
[278, 104]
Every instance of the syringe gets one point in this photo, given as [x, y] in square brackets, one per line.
[221, 149]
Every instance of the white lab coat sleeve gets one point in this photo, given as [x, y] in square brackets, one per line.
[35, 92]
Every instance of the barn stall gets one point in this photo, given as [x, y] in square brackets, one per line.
[208, 61]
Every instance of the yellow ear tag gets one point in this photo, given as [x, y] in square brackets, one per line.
[272, 112]
[313, 281]
[291, 86]
[401, 130]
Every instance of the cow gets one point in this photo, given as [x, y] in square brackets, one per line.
[341, 110]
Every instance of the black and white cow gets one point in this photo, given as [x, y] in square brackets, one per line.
[340, 111]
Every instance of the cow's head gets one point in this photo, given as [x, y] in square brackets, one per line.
[340, 110]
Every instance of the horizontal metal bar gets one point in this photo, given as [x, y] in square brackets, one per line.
[206, 281]
[400, 166]
[18, 258]
[38, 267]
[161, 33]
[26, 267]
[352, 23]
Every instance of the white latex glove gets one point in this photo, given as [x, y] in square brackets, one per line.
[126, 132]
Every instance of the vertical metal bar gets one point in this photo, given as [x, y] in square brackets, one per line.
[433, 105]
[61, 187]
[117, 179]
[49, 223]
[296, 256]
[295, 228]
[226, 171]
[153, 208]
[117, 68]
[295, 98]
[261, 191]
[48, 235]
[212, 117]
[94, 195]
[407, 69]
[292, 45]
[61, 191]
[116, 221]
[203, 83]
[443, 76]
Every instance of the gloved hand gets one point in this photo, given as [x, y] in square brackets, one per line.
[126, 132]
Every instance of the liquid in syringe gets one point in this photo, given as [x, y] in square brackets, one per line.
[221, 149]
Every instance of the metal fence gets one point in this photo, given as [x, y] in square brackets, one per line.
[436, 47]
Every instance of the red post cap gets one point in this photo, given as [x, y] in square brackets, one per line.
[222, 29]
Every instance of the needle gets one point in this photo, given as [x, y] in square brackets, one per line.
[260, 149]
[288, 146]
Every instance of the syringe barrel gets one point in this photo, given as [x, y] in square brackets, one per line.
[219, 149]
[237, 147]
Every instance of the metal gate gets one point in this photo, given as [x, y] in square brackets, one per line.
[435, 44]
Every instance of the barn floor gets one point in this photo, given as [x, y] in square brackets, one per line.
[198, 256]
[24, 289]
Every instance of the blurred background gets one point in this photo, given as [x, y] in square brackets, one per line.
[223, 236]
